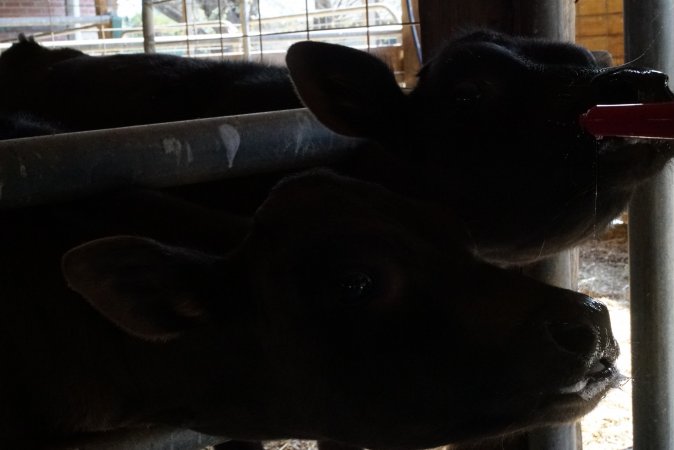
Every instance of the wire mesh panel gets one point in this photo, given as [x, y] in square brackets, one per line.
[254, 30]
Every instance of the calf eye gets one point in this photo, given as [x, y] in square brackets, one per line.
[354, 287]
[466, 94]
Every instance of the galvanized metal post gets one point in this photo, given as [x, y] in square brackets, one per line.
[561, 437]
[555, 20]
[73, 10]
[188, 20]
[648, 40]
[552, 19]
[560, 270]
[244, 15]
[148, 26]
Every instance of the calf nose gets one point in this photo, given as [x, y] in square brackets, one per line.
[572, 338]
[581, 326]
[628, 85]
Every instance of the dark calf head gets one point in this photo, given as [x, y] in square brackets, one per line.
[352, 314]
[28, 58]
[492, 131]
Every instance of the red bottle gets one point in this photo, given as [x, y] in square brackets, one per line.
[644, 120]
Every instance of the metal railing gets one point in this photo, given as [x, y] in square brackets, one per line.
[648, 25]
[259, 36]
[19, 23]
[48, 168]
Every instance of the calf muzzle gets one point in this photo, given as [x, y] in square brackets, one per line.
[631, 85]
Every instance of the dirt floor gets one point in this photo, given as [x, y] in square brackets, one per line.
[604, 275]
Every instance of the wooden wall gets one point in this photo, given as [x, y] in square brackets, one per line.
[599, 26]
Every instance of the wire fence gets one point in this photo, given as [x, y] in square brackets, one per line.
[254, 30]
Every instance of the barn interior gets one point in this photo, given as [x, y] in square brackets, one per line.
[629, 265]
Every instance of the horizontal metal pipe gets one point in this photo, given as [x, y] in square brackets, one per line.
[47, 168]
[20, 22]
[159, 438]
[133, 44]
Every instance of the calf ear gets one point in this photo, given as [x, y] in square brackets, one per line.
[351, 92]
[148, 289]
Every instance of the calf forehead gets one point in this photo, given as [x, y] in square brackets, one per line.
[322, 203]
[536, 50]
[505, 56]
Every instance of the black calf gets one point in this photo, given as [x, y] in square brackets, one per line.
[491, 131]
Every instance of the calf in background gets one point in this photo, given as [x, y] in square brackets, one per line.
[343, 312]
[76, 92]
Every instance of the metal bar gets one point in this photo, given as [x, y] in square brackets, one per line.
[280, 20]
[43, 169]
[164, 42]
[551, 19]
[148, 26]
[441, 19]
[39, 32]
[648, 25]
[560, 270]
[159, 438]
[73, 9]
[21, 22]
[245, 28]
[561, 437]
[555, 20]
[187, 25]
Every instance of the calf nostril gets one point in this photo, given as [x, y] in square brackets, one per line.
[573, 338]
